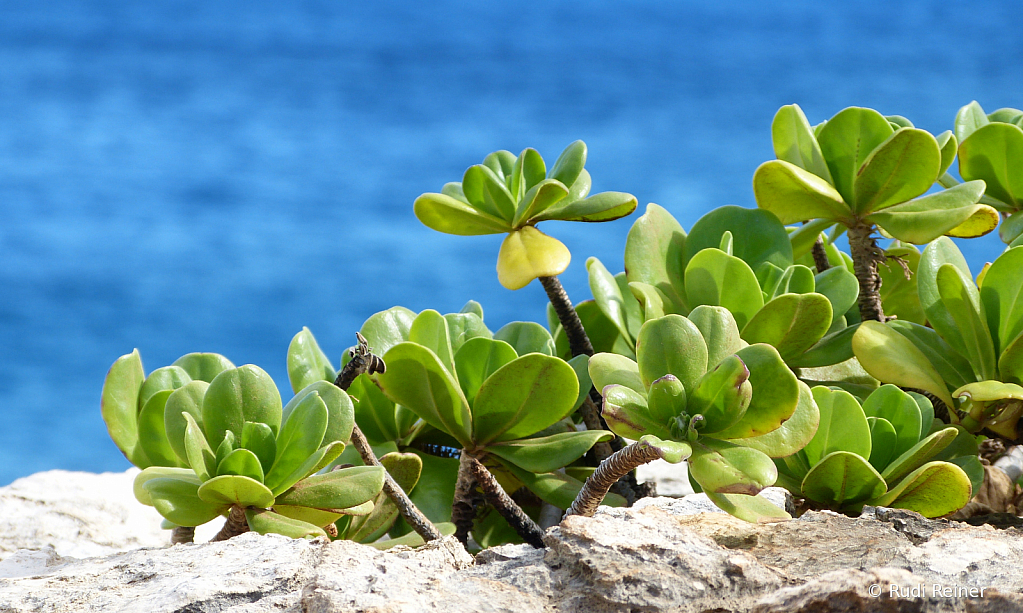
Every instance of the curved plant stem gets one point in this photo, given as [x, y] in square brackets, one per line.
[577, 339]
[820, 256]
[463, 507]
[500, 500]
[182, 534]
[865, 256]
[236, 524]
[608, 473]
[363, 361]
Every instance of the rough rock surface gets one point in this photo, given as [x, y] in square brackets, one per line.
[658, 557]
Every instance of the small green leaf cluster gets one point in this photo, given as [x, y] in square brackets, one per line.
[511, 194]
[736, 258]
[991, 150]
[888, 452]
[973, 349]
[500, 396]
[732, 405]
[862, 168]
[229, 442]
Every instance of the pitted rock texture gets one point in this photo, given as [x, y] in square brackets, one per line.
[660, 557]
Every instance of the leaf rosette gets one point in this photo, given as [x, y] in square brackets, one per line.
[511, 194]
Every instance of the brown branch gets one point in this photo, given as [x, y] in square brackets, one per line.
[463, 507]
[363, 361]
[236, 524]
[500, 500]
[574, 331]
[608, 473]
[820, 255]
[182, 534]
[865, 256]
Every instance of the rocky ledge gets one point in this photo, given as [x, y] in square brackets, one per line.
[88, 546]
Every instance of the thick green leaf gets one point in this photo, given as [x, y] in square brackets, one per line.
[840, 287]
[791, 323]
[666, 399]
[1011, 228]
[605, 206]
[430, 330]
[721, 396]
[1002, 297]
[416, 379]
[234, 489]
[671, 344]
[528, 253]
[317, 461]
[898, 293]
[918, 454]
[994, 153]
[386, 329]
[198, 451]
[580, 366]
[177, 500]
[152, 434]
[259, 439]
[803, 237]
[607, 295]
[187, 399]
[924, 219]
[892, 358]
[727, 469]
[847, 140]
[949, 147]
[236, 396]
[340, 410]
[570, 163]
[968, 120]
[933, 490]
[159, 472]
[523, 397]
[526, 337]
[241, 462]
[318, 517]
[757, 236]
[405, 469]
[843, 426]
[962, 300]
[268, 522]
[901, 411]
[713, 277]
[335, 490]
[539, 199]
[954, 369]
[301, 435]
[796, 279]
[502, 162]
[795, 195]
[307, 362]
[603, 334]
[775, 393]
[652, 302]
[610, 368]
[990, 391]
[841, 478]
[548, 453]
[463, 327]
[374, 412]
[899, 169]
[883, 442]
[793, 434]
[581, 187]
[119, 406]
[627, 414]
[203, 366]
[450, 216]
[476, 360]
[721, 335]
[1010, 363]
[653, 255]
[754, 509]
[795, 142]
[834, 348]
[941, 251]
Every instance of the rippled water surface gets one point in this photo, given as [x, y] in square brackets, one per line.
[192, 176]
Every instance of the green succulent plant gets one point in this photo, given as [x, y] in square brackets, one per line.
[750, 272]
[509, 194]
[991, 150]
[731, 406]
[888, 452]
[868, 172]
[971, 356]
[239, 451]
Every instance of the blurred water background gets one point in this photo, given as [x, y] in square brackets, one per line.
[185, 176]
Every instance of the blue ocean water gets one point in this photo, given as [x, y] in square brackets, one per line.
[185, 176]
